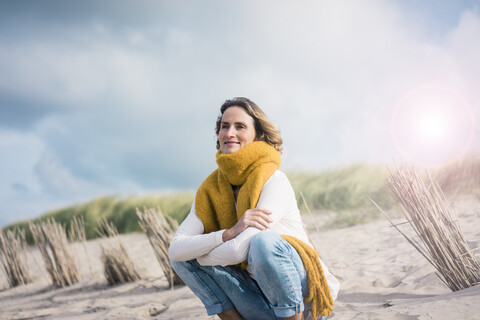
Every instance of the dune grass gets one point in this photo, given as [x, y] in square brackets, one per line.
[118, 266]
[459, 178]
[13, 257]
[51, 240]
[439, 237]
[160, 230]
[344, 192]
[341, 193]
[121, 212]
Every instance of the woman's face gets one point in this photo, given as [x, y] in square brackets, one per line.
[237, 129]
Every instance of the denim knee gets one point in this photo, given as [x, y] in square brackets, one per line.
[264, 244]
[279, 272]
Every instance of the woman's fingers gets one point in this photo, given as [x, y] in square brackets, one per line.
[258, 218]
[265, 214]
[258, 223]
[259, 226]
[266, 211]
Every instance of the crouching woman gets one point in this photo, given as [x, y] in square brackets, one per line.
[243, 249]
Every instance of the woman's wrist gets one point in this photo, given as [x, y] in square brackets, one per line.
[228, 234]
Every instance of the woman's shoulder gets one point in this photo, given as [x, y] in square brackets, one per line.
[278, 177]
[279, 174]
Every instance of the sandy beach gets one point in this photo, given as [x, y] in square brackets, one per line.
[382, 277]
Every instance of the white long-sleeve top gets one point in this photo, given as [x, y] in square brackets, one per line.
[277, 196]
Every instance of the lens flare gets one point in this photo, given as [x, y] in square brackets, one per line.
[432, 125]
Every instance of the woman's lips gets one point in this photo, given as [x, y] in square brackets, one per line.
[231, 142]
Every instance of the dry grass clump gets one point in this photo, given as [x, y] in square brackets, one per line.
[51, 240]
[436, 224]
[118, 266]
[77, 230]
[77, 235]
[12, 246]
[160, 230]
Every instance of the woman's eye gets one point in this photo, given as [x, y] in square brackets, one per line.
[240, 126]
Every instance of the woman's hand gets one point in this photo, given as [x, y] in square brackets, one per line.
[256, 217]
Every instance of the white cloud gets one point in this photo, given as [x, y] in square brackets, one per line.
[19, 153]
[58, 180]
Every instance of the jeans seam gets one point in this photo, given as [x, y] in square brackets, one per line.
[285, 244]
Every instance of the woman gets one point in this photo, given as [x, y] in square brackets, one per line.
[243, 249]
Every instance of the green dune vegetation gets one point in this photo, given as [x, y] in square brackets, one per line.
[340, 195]
[120, 211]
[343, 194]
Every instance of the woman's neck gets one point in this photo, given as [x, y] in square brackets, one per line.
[236, 189]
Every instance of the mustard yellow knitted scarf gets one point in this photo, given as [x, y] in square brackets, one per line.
[250, 167]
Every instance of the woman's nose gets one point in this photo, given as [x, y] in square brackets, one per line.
[231, 132]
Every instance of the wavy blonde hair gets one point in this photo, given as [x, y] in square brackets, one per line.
[264, 129]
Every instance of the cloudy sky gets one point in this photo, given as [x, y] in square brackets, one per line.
[120, 97]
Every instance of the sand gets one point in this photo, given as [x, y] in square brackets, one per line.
[382, 277]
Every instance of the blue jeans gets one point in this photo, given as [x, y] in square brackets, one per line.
[281, 281]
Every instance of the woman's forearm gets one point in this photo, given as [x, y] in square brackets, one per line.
[188, 247]
[231, 252]
[189, 241]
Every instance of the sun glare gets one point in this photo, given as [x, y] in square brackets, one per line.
[432, 125]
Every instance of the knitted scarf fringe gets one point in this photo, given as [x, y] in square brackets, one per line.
[319, 292]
